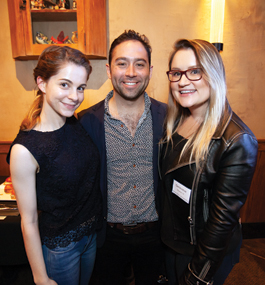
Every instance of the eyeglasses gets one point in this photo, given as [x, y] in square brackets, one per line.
[193, 74]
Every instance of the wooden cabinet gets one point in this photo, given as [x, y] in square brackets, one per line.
[89, 20]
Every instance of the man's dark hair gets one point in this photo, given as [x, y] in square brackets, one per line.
[131, 35]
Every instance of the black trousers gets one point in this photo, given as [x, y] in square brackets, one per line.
[122, 254]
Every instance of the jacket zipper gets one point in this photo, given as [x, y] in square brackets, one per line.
[205, 205]
[205, 270]
[194, 197]
[192, 207]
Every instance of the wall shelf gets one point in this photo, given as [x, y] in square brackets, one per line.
[89, 20]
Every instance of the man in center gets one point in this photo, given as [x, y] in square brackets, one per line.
[127, 127]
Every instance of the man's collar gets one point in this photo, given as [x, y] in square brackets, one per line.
[147, 102]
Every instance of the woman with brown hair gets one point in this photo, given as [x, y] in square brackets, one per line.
[55, 172]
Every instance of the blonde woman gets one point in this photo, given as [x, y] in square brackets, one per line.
[208, 157]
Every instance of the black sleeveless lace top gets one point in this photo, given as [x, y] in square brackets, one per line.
[67, 183]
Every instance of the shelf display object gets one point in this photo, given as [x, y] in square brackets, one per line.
[74, 4]
[37, 24]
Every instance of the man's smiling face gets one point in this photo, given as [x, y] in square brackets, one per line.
[129, 70]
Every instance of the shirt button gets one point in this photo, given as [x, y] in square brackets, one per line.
[133, 144]
[134, 206]
[122, 126]
[134, 186]
[134, 165]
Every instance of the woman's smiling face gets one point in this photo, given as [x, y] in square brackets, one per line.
[64, 92]
[193, 95]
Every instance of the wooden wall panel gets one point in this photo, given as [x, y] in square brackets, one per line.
[254, 209]
[4, 167]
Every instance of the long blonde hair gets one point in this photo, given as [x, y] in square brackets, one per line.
[214, 73]
[50, 62]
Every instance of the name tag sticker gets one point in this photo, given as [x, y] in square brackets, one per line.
[181, 191]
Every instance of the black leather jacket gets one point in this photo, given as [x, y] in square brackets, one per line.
[218, 191]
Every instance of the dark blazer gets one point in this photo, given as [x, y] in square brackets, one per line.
[92, 120]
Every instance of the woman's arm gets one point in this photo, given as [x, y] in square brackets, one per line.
[23, 169]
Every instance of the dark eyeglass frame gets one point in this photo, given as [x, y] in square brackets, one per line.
[183, 72]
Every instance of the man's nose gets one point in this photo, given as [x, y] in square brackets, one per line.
[130, 71]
